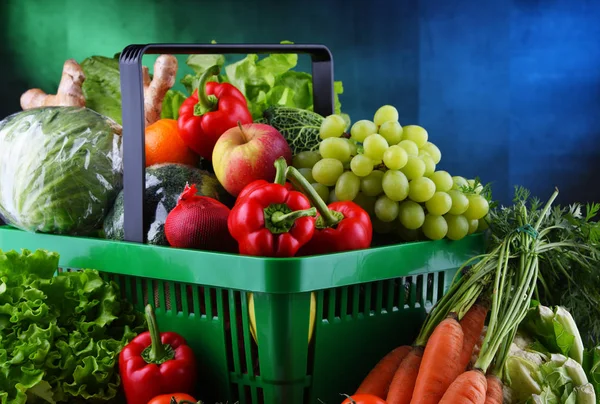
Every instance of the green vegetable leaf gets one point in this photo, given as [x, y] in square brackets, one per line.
[60, 336]
[102, 86]
[171, 103]
[200, 63]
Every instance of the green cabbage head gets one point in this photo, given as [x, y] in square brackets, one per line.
[60, 169]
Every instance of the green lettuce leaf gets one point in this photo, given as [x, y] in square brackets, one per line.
[102, 86]
[60, 336]
[171, 103]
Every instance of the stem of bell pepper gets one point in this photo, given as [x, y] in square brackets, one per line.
[330, 217]
[206, 103]
[157, 352]
[278, 216]
[280, 167]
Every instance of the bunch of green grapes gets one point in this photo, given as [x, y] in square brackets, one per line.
[391, 172]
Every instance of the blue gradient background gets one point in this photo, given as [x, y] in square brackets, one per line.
[509, 90]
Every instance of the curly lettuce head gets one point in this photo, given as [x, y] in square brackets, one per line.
[60, 169]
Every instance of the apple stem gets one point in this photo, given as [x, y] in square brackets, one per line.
[206, 103]
[331, 218]
[280, 169]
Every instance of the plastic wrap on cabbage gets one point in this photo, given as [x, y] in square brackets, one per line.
[60, 169]
[164, 184]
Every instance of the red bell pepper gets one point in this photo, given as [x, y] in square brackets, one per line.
[156, 363]
[279, 179]
[272, 221]
[340, 226]
[209, 112]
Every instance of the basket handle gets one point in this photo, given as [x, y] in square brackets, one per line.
[132, 98]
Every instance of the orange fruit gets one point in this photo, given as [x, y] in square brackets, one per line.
[164, 145]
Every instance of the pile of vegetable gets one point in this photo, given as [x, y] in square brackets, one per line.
[500, 285]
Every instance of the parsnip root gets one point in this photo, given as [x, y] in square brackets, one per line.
[165, 72]
[69, 93]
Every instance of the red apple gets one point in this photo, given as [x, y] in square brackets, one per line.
[247, 153]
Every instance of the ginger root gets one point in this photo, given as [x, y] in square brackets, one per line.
[69, 93]
[155, 89]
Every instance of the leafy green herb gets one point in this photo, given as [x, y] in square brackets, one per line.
[60, 336]
[569, 275]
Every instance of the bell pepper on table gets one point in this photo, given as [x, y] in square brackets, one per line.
[340, 226]
[271, 220]
[209, 112]
[155, 363]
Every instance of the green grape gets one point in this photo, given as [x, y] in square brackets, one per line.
[421, 189]
[381, 227]
[415, 133]
[411, 215]
[332, 126]
[478, 207]
[307, 173]
[429, 165]
[384, 114]
[335, 148]
[484, 223]
[347, 186]
[327, 171]
[435, 227]
[361, 129]
[442, 180]
[371, 185]
[386, 210]
[473, 225]
[361, 165]
[472, 185]
[459, 182]
[322, 190]
[460, 202]
[458, 226]
[395, 185]
[366, 202]
[395, 157]
[332, 196]
[414, 168]
[433, 151]
[411, 147]
[306, 159]
[353, 147]
[391, 131]
[439, 204]
[375, 145]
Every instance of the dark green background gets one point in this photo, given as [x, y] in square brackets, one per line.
[509, 90]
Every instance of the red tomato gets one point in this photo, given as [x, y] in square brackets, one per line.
[166, 398]
[363, 399]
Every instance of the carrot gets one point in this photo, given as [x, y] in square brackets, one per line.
[379, 378]
[440, 364]
[403, 383]
[472, 325]
[494, 390]
[468, 388]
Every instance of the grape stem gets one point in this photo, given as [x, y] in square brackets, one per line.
[297, 179]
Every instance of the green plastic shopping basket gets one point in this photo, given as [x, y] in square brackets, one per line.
[367, 302]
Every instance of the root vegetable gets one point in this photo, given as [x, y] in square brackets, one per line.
[165, 72]
[69, 93]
